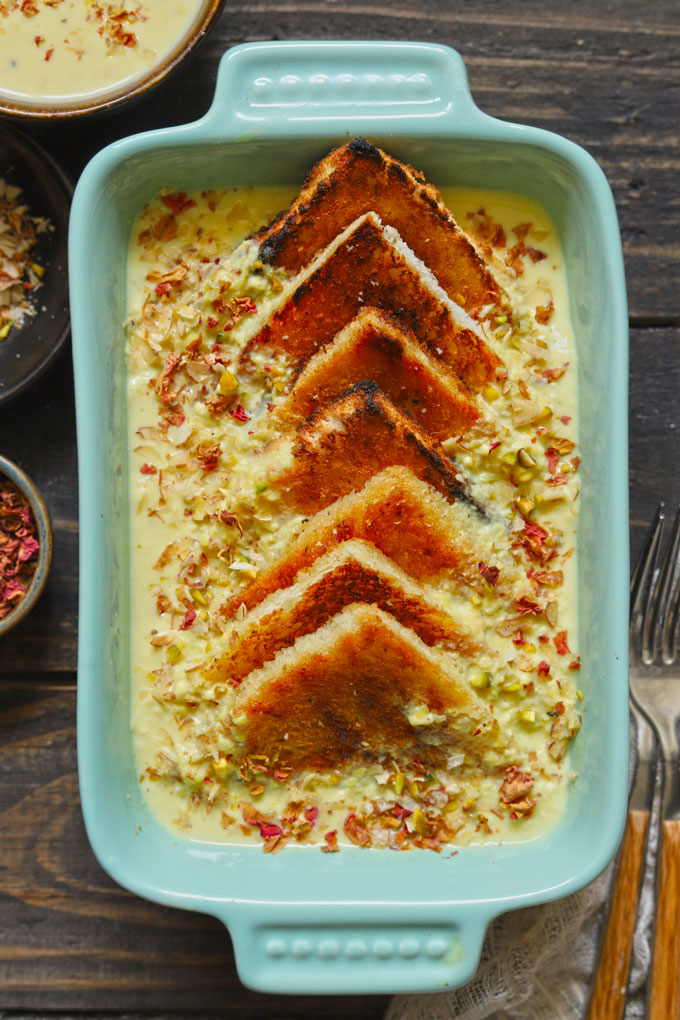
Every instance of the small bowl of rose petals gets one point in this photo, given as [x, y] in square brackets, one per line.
[25, 545]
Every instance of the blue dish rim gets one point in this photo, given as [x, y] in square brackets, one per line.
[234, 116]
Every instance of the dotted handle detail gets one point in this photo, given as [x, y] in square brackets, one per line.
[355, 954]
[330, 90]
[331, 945]
[310, 82]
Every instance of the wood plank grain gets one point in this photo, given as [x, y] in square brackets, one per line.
[654, 420]
[70, 939]
[329, 1008]
[46, 640]
[664, 989]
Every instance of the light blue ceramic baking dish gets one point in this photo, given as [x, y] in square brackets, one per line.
[357, 921]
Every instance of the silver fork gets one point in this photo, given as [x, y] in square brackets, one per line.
[608, 994]
[655, 684]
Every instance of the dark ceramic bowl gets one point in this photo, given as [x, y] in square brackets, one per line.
[44, 536]
[120, 93]
[27, 352]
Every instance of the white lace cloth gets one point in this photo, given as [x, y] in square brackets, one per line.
[539, 963]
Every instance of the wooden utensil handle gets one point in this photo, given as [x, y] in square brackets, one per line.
[664, 995]
[609, 992]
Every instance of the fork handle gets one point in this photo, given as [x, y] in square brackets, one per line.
[609, 991]
[664, 998]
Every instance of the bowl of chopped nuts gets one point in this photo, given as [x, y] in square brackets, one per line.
[25, 545]
[35, 196]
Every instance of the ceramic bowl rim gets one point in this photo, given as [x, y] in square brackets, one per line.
[58, 173]
[118, 94]
[42, 518]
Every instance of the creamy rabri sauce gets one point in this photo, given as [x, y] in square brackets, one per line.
[54, 50]
[193, 432]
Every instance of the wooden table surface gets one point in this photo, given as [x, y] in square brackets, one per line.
[606, 75]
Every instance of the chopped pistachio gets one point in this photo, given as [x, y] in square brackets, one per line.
[174, 654]
[481, 681]
[527, 715]
[551, 613]
[525, 458]
[491, 393]
[420, 822]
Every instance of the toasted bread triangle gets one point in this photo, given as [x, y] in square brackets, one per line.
[376, 346]
[343, 445]
[357, 178]
[344, 692]
[352, 572]
[411, 523]
[366, 265]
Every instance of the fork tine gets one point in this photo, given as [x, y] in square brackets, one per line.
[670, 596]
[645, 561]
[640, 582]
[659, 602]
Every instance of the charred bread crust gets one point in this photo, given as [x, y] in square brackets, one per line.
[363, 267]
[410, 522]
[374, 345]
[353, 572]
[342, 445]
[357, 178]
[341, 695]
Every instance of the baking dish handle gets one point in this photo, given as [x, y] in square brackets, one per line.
[360, 85]
[413, 948]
